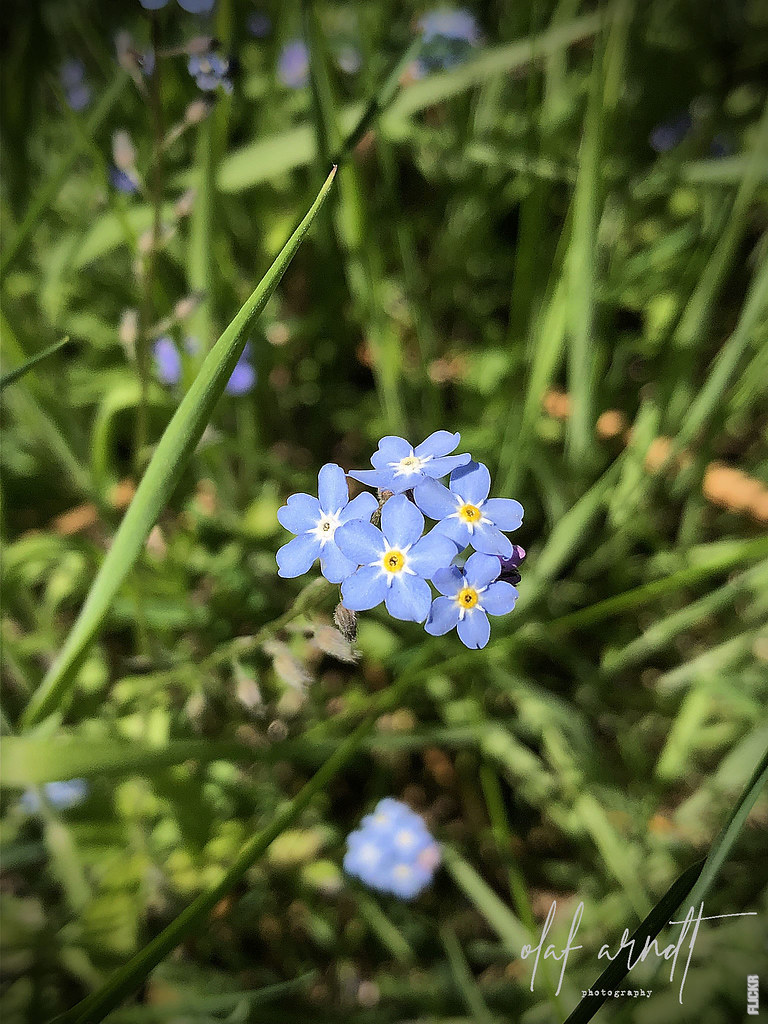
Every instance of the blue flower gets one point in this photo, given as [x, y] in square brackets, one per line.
[60, 795]
[394, 563]
[293, 64]
[449, 24]
[124, 181]
[399, 466]
[76, 89]
[392, 851]
[243, 376]
[467, 515]
[209, 72]
[259, 25]
[317, 521]
[671, 133]
[470, 595]
[167, 361]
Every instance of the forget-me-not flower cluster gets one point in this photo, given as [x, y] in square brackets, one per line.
[394, 561]
[392, 851]
[61, 795]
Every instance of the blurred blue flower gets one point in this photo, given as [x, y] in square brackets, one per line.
[465, 512]
[670, 133]
[293, 64]
[192, 6]
[447, 37]
[147, 62]
[395, 563]
[470, 595]
[209, 72]
[392, 851]
[124, 181]
[349, 60]
[60, 795]
[76, 89]
[316, 522]
[399, 466]
[259, 24]
[167, 361]
[243, 376]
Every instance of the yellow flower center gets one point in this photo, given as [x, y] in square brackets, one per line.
[410, 461]
[470, 513]
[393, 561]
[467, 597]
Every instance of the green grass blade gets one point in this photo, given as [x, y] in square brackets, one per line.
[657, 919]
[12, 375]
[173, 450]
[48, 192]
[465, 981]
[510, 930]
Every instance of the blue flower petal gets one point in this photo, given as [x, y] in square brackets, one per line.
[401, 521]
[443, 616]
[449, 581]
[300, 513]
[435, 500]
[456, 529]
[167, 361]
[242, 379]
[471, 482]
[499, 598]
[332, 490]
[474, 629]
[431, 553]
[488, 539]
[153, 5]
[334, 565]
[506, 513]
[383, 479]
[295, 557]
[360, 541]
[363, 589]
[481, 570]
[361, 507]
[391, 449]
[442, 467]
[408, 598]
[442, 442]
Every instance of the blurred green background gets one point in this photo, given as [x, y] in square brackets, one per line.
[549, 235]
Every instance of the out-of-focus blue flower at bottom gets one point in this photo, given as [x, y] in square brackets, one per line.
[60, 795]
[470, 595]
[671, 133]
[124, 181]
[167, 361]
[392, 851]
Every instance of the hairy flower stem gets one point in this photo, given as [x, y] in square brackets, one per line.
[149, 270]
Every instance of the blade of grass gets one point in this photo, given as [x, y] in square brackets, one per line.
[465, 980]
[510, 930]
[161, 476]
[12, 375]
[46, 194]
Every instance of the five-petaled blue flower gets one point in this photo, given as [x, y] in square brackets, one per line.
[467, 515]
[317, 521]
[470, 595]
[394, 563]
[399, 466]
[210, 71]
[392, 851]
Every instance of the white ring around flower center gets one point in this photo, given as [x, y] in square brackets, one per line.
[458, 514]
[410, 464]
[476, 607]
[326, 526]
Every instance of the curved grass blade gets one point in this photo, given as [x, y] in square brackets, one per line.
[164, 470]
[13, 375]
[657, 919]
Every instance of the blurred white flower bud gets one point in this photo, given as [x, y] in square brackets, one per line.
[184, 203]
[199, 45]
[331, 642]
[123, 151]
[129, 329]
[186, 307]
[197, 111]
